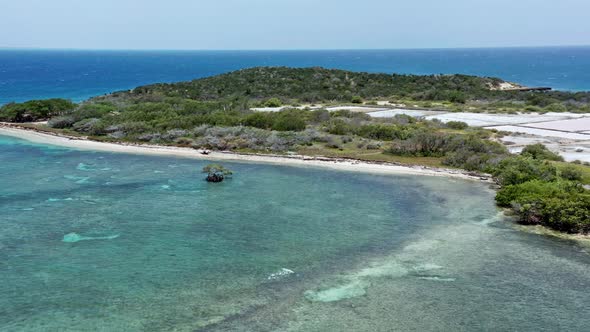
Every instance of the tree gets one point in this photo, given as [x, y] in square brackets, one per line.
[216, 172]
[35, 110]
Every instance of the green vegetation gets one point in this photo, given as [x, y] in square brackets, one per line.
[275, 86]
[216, 172]
[540, 152]
[35, 110]
[457, 125]
[561, 205]
[540, 193]
[315, 85]
[215, 113]
[273, 102]
[357, 100]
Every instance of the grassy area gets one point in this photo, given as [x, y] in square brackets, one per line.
[350, 151]
[585, 170]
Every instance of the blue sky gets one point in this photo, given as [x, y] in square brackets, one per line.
[292, 24]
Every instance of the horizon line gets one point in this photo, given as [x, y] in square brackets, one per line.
[9, 48]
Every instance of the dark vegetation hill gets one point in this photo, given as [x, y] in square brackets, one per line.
[314, 85]
[318, 85]
[215, 113]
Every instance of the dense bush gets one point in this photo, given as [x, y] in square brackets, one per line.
[519, 169]
[273, 102]
[35, 110]
[90, 126]
[424, 144]
[351, 115]
[231, 138]
[356, 100]
[458, 125]
[540, 152]
[571, 173]
[561, 205]
[385, 132]
[459, 149]
[288, 121]
[540, 195]
[259, 120]
[339, 127]
[61, 122]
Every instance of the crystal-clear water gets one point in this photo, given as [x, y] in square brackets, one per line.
[95, 241]
[34, 74]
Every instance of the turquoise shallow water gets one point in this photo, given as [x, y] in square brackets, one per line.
[111, 242]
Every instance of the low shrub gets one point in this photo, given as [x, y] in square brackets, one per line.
[540, 152]
[356, 100]
[61, 122]
[458, 125]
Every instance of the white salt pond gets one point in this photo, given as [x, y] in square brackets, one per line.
[543, 132]
[570, 125]
[363, 109]
[487, 119]
[564, 133]
[570, 150]
[390, 113]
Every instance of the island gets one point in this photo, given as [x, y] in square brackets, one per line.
[325, 113]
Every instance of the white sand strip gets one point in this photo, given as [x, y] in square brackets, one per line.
[338, 164]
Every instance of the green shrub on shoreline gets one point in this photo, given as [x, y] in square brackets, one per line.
[560, 205]
[35, 110]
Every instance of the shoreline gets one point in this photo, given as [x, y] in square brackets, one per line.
[342, 164]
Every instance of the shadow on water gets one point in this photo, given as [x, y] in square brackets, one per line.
[90, 189]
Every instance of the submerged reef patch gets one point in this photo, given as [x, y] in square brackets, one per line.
[356, 284]
[77, 179]
[353, 289]
[84, 167]
[59, 199]
[75, 237]
[280, 274]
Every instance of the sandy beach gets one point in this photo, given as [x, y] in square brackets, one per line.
[297, 160]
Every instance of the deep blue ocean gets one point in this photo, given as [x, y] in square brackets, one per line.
[33, 74]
